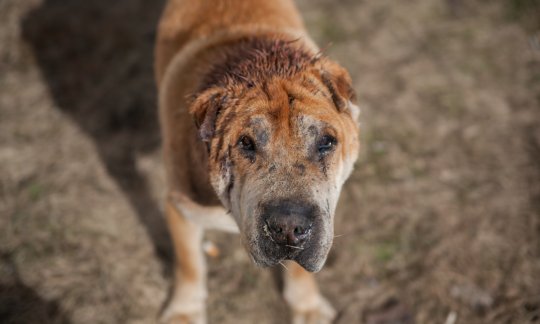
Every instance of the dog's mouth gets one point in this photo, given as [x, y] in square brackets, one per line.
[274, 255]
[303, 259]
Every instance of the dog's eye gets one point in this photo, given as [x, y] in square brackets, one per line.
[246, 144]
[326, 144]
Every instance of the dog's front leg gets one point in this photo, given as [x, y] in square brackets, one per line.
[187, 303]
[302, 294]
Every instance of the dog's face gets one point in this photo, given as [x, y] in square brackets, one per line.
[279, 155]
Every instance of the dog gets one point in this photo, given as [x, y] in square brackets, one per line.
[259, 133]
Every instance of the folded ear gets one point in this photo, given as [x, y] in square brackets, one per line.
[339, 83]
[205, 110]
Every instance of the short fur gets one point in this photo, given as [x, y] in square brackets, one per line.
[232, 72]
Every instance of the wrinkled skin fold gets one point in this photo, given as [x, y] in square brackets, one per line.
[281, 130]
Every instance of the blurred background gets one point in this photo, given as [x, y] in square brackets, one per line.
[440, 222]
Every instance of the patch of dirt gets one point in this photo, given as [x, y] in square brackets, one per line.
[440, 222]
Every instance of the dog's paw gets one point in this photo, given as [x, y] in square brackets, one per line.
[178, 312]
[318, 311]
[187, 319]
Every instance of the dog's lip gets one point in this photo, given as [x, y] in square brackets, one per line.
[282, 253]
[267, 263]
[290, 251]
[309, 266]
[263, 262]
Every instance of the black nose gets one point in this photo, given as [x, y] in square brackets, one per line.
[288, 223]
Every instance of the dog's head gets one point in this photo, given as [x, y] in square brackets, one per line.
[281, 130]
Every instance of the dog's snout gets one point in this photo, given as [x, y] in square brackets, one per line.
[289, 223]
[288, 229]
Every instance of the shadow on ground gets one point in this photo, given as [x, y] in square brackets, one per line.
[21, 304]
[96, 58]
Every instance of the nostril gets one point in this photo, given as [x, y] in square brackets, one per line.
[287, 229]
[302, 230]
[275, 229]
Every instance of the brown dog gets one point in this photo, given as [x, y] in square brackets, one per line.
[256, 124]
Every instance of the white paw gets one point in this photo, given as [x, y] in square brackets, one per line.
[318, 311]
[184, 312]
[187, 319]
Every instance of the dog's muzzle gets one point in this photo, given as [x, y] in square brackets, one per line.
[288, 228]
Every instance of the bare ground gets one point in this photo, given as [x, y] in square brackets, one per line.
[439, 223]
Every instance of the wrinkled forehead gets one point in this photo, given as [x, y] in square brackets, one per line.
[298, 127]
[287, 115]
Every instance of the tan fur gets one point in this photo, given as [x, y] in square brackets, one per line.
[228, 68]
[189, 293]
[302, 294]
[185, 20]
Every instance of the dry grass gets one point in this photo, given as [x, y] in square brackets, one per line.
[440, 221]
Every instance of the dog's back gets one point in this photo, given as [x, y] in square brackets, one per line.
[187, 20]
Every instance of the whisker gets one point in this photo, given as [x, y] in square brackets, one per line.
[339, 235]
[294, 247]
[283, 265]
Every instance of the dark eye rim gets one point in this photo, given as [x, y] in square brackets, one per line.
[246, 143]
[326, 144]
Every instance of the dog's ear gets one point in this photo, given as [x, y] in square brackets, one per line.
[339, 83]
[205, 110]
